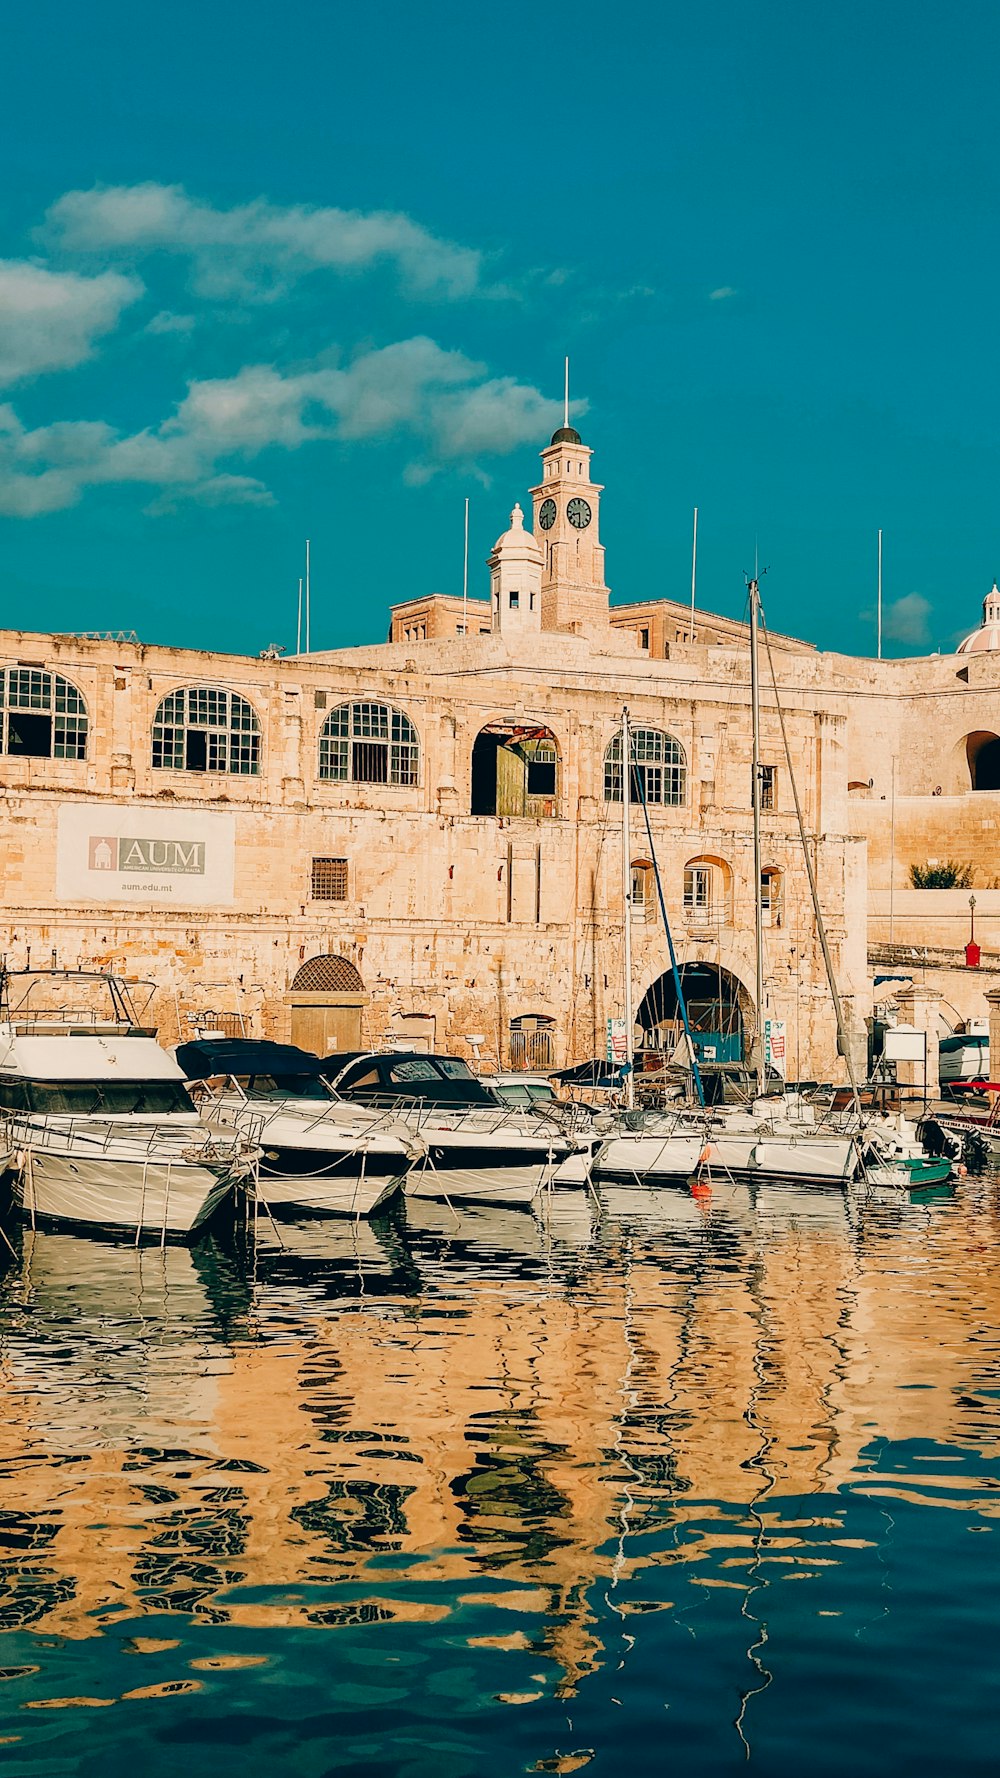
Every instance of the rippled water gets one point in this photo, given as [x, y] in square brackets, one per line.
[661, 1492]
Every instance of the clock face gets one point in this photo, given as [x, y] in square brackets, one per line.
[578, 513]
[547, 514]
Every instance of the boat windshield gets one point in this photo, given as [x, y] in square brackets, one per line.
[284, 1086]
[88, 1098]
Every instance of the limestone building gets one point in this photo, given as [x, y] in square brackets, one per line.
[420, 841]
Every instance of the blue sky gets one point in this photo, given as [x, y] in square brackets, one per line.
[275, 272]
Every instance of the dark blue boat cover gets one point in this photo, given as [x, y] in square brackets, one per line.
[243, 1055]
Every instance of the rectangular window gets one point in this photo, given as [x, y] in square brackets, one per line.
[515, 600]
[29, 733]
[196, 750]
[768, 787]
[643, 638]
[541, 779]
[329, 879]
[370, 763]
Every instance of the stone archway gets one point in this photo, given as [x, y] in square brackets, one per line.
[515, 770]
[982, 750]
[326, 1000]
[718, 1007]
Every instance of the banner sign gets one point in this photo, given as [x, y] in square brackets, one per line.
[179, 858]
[617, 1042]
[775, 1051]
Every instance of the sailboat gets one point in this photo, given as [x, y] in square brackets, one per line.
[642, 1148]
[780, 1137]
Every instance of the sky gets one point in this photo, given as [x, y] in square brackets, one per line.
[312, 271]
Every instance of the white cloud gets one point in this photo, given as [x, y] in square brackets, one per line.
[905, 620]
[254, 251]
[51, 320]
[437, 398]
[495, 417]
[724, 292]
[166, 322]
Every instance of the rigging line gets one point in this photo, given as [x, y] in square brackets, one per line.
[678, 984]
[842, 1040]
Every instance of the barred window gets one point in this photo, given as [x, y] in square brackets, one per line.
[205, 728]
[329, 879]
[768, 787]
[659, 769]
[42, 715]
[367, 743]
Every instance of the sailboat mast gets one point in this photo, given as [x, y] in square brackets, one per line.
[627, 899]
[758, 910]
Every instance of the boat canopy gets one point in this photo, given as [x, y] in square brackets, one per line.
[208, 1056]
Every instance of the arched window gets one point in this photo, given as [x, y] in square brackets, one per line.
[771, 908]
[43, 716]
[708, 898]
[659, 769]
[643, 893]
[204, 728]
[364, 743]
[532, 1042]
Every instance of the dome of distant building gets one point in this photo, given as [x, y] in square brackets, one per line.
[566, 435]
[987, 637]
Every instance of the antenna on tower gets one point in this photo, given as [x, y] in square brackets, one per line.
[308, 603]
[566, 394]
[298, 624]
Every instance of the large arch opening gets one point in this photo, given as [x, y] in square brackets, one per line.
[982, 749]
[515, 771]
[718, 1008]
[326, 1000]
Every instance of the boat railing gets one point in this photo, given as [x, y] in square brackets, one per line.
[99, 1135]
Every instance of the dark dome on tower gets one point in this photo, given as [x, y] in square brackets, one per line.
[566, 435]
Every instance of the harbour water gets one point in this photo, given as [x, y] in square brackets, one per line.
[672, 1488]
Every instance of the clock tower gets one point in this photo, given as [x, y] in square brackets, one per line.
[566, 513]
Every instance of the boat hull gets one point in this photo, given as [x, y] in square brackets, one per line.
[301, 1182]
[647, 1160]
[145, 1198]
[783, 1157]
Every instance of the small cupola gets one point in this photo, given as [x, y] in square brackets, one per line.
[515, 563]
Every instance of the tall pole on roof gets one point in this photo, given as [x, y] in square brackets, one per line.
[298, 623]
[566, 393]
[308, 603]
[880, 595]
[694, 570]
[465, 574]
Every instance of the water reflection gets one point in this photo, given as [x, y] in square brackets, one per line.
[549, 1458]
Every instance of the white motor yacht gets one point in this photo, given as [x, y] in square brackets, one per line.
[476, 1150]
[319, 1155]
[102, 1129]
[778, 1138]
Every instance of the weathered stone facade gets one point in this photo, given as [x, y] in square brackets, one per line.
[461, 858]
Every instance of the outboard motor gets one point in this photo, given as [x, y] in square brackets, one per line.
[975, 1152]
[938, 1142]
